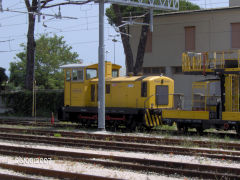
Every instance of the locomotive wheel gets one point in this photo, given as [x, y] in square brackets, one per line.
[238, 129]
[199, 130]
[133, 125]
[179, 127]
[185, 129]
[182, 128]
[112, 126]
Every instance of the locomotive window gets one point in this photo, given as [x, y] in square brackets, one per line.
[77, 75]
[107, 88]
[144, 89]
[74, 74]
[161, 95]
[114, 73]
[91, 73]
[68, 75]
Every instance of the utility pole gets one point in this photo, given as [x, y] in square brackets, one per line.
[39, 10]
[101, 70]
[148, 4]
[1, 8]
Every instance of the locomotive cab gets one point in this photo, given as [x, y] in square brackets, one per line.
[78, 82]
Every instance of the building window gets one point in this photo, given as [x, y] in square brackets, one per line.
[154, 70]
[235, 35]
[177, 70]
[148, 48]
[147, 70]
[190, 38]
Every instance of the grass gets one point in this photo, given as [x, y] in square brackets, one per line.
[57, 135]
[187, 144]
[226, 138]
[166, 127]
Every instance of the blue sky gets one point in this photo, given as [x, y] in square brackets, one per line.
[81, 34]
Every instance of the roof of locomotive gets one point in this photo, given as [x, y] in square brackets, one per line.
[88, 65]
[74, 65]
[132, 78]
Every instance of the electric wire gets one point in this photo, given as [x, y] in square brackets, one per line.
[69, 30]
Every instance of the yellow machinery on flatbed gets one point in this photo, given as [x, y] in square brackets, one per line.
[215, 101]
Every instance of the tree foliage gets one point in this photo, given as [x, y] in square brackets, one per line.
[116, 14]
[51, 52]
[33, 9]
[3, 78]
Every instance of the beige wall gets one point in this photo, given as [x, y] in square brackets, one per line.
[234, 3]
[213, 33]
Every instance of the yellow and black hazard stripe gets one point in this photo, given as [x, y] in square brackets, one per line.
[152, 119]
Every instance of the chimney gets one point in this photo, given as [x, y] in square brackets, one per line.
[233, 3]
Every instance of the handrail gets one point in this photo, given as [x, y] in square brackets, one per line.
[147, 100]
[192, 61]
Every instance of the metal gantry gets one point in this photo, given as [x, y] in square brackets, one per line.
[149, 4]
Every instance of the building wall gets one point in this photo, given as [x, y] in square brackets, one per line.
[234, 3]
[213, 33]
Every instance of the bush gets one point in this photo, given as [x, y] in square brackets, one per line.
[46, 102]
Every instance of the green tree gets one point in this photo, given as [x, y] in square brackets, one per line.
[115, 16]
[3, 78]
[51, 52]
[33, 7]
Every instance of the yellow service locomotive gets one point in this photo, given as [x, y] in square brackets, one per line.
[149, 101]
[130, 100]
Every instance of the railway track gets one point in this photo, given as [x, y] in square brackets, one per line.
[129, 139]
[136, 164]
[40, 124]
[123, 146]
[58, 124]
[45, 173]
[11, 177]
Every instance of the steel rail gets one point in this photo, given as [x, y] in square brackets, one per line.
[132, 139]
[137, 164]
[58, 124]
[133, 147]
[52, 173]
[14, 177]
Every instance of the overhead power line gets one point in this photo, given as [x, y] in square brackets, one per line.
[51, 15]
